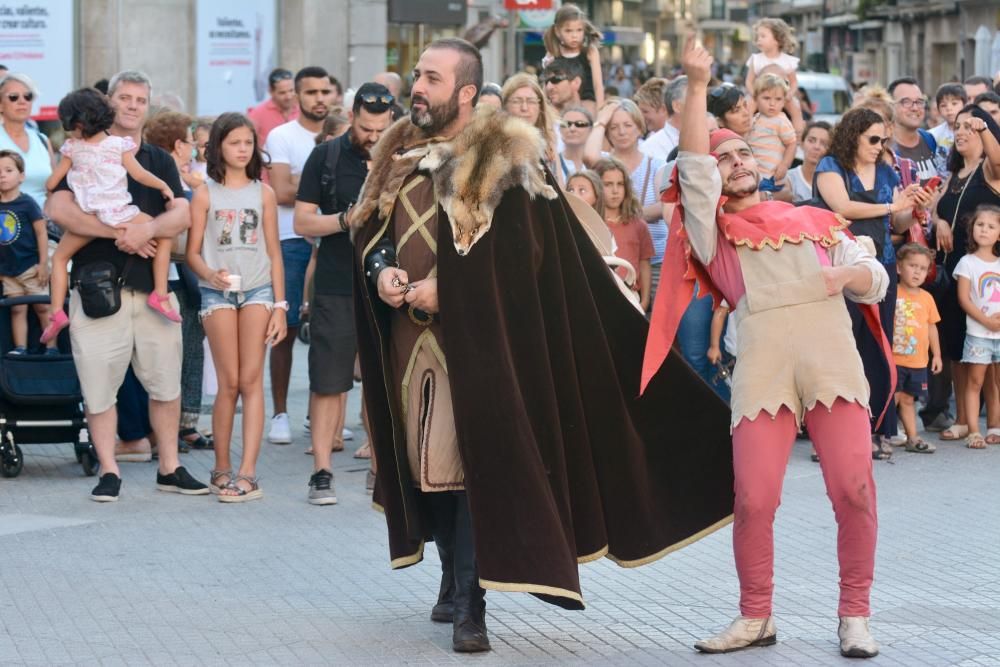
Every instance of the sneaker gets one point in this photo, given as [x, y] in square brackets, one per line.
[281, 430]
[321, 488]
[180, 481]
[107, 489]
[348, 434]
[18, 351]
[306, 425]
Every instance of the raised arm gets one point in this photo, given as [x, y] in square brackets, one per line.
[595, 141]
[58, 173]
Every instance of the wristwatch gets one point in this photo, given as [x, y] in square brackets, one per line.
[282, 305]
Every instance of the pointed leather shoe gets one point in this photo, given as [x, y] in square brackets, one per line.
[856, 639]
[741, 633]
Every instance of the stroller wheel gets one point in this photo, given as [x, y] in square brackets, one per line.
[11, 460]
[89, 462]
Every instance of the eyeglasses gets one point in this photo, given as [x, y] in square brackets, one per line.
[380, 99]
[554, 79]
[875, 140]
[723, 90]
[909, 103]
[14, 97]
[578, 124]
[523, 102]
[279, 76]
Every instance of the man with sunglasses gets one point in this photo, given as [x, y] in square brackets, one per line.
[281, 107]
[329, 185]
[562, 79]
[787, 270]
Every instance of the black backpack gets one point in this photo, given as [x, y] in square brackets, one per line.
[328, 177]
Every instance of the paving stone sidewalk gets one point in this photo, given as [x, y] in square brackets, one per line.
[162, 579]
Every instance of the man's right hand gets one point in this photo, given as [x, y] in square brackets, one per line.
[387, 291]
[136, 239]
[696, 61]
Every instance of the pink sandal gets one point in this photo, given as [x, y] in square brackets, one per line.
[58, 322]
[161, 304]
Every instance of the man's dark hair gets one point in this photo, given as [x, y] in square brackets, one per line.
[903, 80]
[373, 98]
[310, 72]
[88, 110]
[470, 66]
[493, 89]
[564, 67]
[987, 97]
[336, 84]
[221, 128]
[101, 85]
[276, 75]
[956, 90]
[979, 81]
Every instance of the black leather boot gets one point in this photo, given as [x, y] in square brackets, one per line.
[443, 515]
[469, 634]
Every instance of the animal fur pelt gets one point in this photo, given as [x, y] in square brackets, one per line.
[494, 153]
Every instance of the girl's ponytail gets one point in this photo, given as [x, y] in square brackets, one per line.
[551, 41]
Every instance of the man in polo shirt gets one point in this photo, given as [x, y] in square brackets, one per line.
[104, 347]
[324, 195]
[281, 107]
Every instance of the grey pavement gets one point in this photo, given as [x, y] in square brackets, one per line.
[162, 579]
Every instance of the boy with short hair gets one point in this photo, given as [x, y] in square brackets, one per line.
[772, 136]
[914, 331]
[949, 99]
[24, 250]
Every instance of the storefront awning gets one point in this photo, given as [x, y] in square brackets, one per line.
[841, 20]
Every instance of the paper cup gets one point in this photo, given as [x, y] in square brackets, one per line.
[235, 283]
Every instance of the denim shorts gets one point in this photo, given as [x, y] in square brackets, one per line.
[981, 350]
[214, 299]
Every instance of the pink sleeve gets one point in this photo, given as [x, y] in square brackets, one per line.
[128, 145]
[67, 148]
[645, 242]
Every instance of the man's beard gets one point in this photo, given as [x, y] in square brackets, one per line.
[316, 118]
[433, 119]
[740, 193]
[362, 149]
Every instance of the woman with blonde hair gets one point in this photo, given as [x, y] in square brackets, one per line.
[523, 97]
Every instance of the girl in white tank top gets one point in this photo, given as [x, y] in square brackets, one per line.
[234, 250]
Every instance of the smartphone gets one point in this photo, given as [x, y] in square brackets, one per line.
[932, 184]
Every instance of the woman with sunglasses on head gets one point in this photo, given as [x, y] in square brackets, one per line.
[857, 180]
[17, 95]
[731, 108]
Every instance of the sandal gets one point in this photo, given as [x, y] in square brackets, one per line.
[920, 446]
[338, 445]
[881, 451]
[201, 442]
[242, 495]
[364, 451]
[955, 432]
[993, 436]
[216, 474]
[975, 441]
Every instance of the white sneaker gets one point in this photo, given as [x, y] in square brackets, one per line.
[281, 430]
[348, 434]
[307, 425]
[856, 639]
[741, 633]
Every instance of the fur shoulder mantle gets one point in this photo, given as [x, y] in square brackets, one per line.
[494, 153]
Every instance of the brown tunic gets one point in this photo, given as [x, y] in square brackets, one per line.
[419, 368]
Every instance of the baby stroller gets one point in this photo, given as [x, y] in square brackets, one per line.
[40, 400]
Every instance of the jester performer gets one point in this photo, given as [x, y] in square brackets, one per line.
[501, 368]
[787, 271]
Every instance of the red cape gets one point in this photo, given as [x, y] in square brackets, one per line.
[769, 223]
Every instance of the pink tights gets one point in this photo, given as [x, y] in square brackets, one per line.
[842, 436]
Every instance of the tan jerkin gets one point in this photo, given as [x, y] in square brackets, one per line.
[795, 345]
[417, 355]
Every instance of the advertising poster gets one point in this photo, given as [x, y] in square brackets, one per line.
[37, 39]
[236, 50]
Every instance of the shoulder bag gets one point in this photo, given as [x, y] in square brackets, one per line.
[100, 288]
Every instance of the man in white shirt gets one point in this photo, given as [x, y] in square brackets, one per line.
[661, 143]
[289, 146]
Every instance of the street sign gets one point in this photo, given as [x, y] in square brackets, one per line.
[527, 4]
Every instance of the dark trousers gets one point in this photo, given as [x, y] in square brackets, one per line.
[133, 409]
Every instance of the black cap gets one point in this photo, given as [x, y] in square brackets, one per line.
[723, 98]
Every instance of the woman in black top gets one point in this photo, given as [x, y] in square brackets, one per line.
[974, 164]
